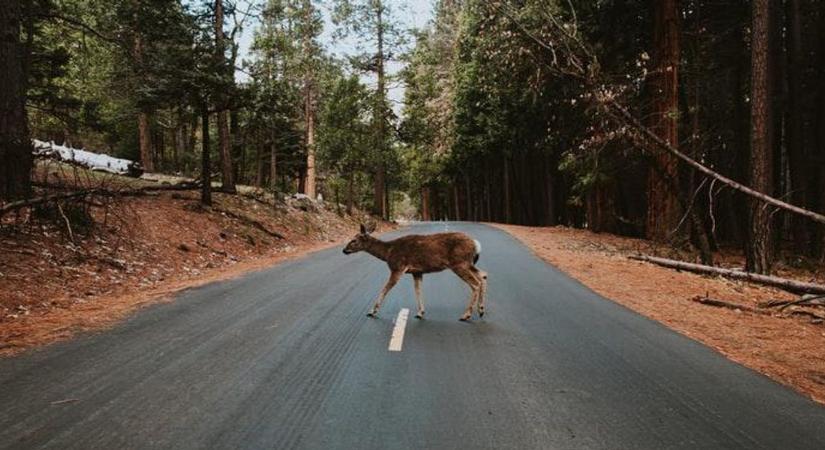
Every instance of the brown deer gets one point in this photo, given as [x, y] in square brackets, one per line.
[419, 254]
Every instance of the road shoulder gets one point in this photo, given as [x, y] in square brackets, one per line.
[787, 350]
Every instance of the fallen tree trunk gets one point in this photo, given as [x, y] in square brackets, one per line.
[723, 304]
[622, 114]
[255, 223]
[806, 300]
[12, 206]
[814, 316]
[799, 287]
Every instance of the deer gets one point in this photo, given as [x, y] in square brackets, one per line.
[420, 254]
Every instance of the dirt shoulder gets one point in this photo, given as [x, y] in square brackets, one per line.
[788, 350]
[141, 251]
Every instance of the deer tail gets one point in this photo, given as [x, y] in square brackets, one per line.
[478, 251]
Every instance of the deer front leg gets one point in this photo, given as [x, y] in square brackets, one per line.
[417, 278]
[394, 276]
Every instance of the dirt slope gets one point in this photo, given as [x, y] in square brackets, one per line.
[54, 283]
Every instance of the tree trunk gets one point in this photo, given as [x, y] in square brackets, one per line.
[309, 104]
[796, 128]
[549, 193]
[238, 153]
[259, 168]
[425, 204]
[15, 146]
[457, 207]
[227, 174]
[144, 129]
[147, 160]
[379, 190]
[350, 191]
[507, 200]
[601, 214]
[468, 213]
[378, 193]
[662, 203]
[310, 186]
[273, 164]
[817, 184]
[206, 165]
[758, 246]
[224, 144]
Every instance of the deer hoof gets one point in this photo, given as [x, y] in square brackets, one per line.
[481, 314]
[419, 316]
[371, 314]
[465, 318]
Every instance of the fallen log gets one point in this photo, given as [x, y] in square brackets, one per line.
[807, 300]
[814, 316]
[249, 220]
[723, 304]
[799, 287]
[819, 318]
[11, 206]
[28, 203]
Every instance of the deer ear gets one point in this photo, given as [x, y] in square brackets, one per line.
[371, 227]
[363, 229]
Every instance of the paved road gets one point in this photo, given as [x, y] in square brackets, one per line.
[286, 358]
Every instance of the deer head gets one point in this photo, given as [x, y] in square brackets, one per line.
[361, 240]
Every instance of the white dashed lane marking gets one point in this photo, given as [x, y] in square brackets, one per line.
[397, 339]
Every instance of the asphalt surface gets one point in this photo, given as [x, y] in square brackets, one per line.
[286, 358]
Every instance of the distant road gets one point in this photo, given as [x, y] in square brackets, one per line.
[286, 358]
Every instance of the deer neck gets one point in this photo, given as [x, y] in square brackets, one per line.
[378, 248]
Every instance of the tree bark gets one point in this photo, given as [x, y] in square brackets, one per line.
[15, 146]
[259, 167]
[224, 144]
[310, 185]
[206, 165]
[817, 188]
[309, 104]
[147, 160]
[238, 148]
[378, 193]
[425, 204]
[662, 202]
[758, 246]
[273, 164]
[796, 128]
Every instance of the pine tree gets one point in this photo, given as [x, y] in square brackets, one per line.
[15, 147]
[224, 139]
[758, 248]
[373, 21]
[663, 177]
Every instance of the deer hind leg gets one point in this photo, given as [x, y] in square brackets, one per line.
[418, 300]
[475, 283]
[394, 277]
[481, 275]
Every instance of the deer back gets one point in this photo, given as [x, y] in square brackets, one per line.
[431, 252]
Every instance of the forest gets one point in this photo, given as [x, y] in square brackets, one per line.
[694, 123]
